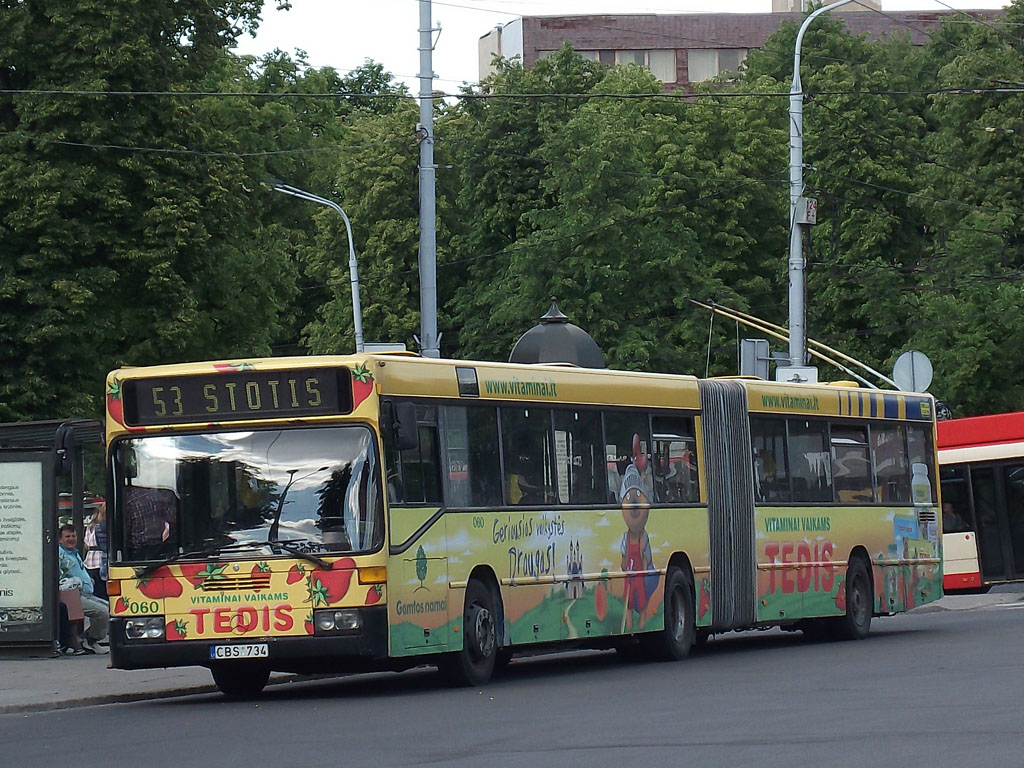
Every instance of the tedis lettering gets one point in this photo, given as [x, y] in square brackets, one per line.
[815, 570]
[225, 620]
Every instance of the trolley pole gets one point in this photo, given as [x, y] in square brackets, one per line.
[429, 342]
[797, 263]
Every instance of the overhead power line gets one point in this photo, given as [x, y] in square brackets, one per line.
[675, 96]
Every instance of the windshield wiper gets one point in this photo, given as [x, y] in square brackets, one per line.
[203, 552]
[287, 545]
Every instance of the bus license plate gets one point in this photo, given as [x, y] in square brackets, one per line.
[239, 651]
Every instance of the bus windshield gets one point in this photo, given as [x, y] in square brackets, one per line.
[314, 490]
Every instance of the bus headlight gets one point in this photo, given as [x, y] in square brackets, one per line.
[150, 628]
[343, 620]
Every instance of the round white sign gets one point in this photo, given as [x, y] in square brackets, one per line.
[913, 371]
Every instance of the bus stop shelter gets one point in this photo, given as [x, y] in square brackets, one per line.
[33, 455]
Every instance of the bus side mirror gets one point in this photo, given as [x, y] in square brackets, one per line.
[64, 449]
[404, 428]
[129, 461]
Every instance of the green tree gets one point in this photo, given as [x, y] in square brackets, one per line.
[126, 220]
[494, 148]
[376, 186]
[333, 150]
[972, 295]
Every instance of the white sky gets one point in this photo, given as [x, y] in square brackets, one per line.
[343, 34]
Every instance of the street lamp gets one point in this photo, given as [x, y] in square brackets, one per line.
[357, 311]
[797, 264]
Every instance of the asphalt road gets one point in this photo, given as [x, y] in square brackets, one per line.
[925, 689]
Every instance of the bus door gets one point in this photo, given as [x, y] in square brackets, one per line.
[1013, 484]
[960, 567]
[998, 494]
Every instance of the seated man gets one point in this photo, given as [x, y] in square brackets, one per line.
[73, 575]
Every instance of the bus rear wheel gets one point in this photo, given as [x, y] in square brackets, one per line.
[240, 680]
[856, 623]
[673, 643]
[474, 664]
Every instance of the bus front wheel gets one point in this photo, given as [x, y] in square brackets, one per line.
[856, 623]
[474, 664]
[240, 680]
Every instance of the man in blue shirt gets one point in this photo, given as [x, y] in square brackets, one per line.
[73, 575]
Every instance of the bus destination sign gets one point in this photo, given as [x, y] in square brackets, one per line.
[237, 396]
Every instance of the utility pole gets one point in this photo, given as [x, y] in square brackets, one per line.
[429, 342]
[797, 369]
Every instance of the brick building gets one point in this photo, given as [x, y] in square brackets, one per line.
[680, 49]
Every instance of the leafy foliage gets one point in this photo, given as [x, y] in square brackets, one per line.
[139, 228]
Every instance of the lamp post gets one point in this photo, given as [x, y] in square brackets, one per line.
[357, 310]
[797, 265]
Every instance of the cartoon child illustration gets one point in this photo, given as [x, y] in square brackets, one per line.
[635, 548]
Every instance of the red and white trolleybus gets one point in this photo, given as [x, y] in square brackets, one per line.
[982, 473]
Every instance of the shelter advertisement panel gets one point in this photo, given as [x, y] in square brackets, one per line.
[21, 544]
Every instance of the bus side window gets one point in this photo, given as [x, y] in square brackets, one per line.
[675, 460]
[771, 464]
[471, 456]
[892, 471]
[392, 468]
[809, 460]
[627, 441]
[418, 479]
[919, 443]
[528, 456]
[956, 500]
[851, 465]
[579, 457]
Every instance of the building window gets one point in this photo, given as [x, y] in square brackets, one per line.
[705, 63]
[588, 55]
[662, 63]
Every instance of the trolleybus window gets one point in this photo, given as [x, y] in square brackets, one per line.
[888, 446]
[315, 489]
[627, 441]
[919, 443]
[810, 460]
[675, 462]
[471, 458]
[579, 460]
[771, 473]
[851, 465]
[527, 452]
[419, 480]
[956, 500]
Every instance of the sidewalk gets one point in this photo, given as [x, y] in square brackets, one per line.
[38, 683]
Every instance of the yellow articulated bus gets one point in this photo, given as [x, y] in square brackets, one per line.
[388, 511]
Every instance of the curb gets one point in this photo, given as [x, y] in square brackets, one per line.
[130, 696]
[985, 601]
[111, 698]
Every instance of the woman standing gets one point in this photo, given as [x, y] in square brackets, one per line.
[96, 556]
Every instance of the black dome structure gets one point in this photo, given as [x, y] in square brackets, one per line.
[556, 340]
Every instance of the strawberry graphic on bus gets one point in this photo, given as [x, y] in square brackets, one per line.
[362, 384]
